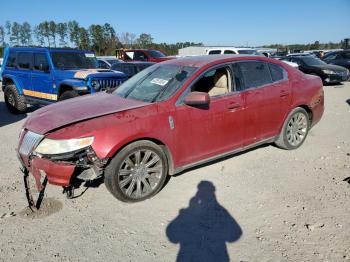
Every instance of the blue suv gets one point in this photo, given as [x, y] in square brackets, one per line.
[43, 76]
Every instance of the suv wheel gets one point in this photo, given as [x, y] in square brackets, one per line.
[68, 94]
[294, 130]
[137, 172]
[15, 102]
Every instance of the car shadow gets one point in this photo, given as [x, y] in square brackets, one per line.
[203, 228]
[7, 118]
[348, 102]
[211, 162]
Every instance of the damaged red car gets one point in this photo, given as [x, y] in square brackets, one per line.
[167, 118]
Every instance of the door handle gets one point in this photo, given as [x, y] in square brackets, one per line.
[284, 93]
[234, 105]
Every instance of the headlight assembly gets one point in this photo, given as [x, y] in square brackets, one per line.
[95, 84]
[328, 72]
[55, 147]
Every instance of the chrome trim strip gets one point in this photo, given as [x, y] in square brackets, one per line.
[233, 152]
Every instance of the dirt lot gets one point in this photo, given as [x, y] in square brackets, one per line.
[263, 205]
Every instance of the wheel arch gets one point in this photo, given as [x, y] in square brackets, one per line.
[63, 88]
[158, 142]
[7, 79]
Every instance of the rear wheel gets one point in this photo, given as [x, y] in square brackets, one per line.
[68, 94]
[15, 102]
[137, 172]
[294, 130]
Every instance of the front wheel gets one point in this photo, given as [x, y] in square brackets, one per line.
[68, 95]
[15, 102]
[137, 172]
[294, 130]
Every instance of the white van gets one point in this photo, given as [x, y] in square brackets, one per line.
[232, 50]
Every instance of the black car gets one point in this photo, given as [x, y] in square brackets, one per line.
[131, 68]
[314, 66]
[341, 58]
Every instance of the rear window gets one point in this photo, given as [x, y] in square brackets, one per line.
[214, 52]
[24, 60]
[11, 60]
[255, 74]
[277, 72]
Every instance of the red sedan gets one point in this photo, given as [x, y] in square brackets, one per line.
[169, 117]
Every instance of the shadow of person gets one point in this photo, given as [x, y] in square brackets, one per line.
[203, 228]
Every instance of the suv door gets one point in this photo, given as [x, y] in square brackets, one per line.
[24, 71]
[206, 132]
[42, 78]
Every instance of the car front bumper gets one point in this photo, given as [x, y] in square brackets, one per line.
[336, 78]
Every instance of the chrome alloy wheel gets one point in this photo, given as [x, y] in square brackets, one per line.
[297, 129]
[140, 173]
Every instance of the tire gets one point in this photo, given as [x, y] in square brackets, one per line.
[294, 130]
[137, 181]
[15, 102]
[68, 94]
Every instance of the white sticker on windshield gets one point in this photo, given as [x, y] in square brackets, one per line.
[89, 55]
[160, 82]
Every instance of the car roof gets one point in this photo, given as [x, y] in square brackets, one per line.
[34, 49]
[203, 60]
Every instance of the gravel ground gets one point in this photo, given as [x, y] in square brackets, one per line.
[266, 204]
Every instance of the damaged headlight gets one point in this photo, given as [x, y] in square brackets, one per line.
[55, 147]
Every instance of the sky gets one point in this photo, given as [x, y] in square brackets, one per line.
[220, 22]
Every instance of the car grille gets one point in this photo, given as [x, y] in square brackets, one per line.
[29, 142]
[108, 83]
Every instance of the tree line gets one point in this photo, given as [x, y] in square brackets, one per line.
[102, 39]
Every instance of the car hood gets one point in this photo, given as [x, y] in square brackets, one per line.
[84, 73]
[330, 67]
[78, 109]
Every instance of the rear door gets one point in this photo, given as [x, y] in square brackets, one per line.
[262, 98]
[42, 78]
[24, 71]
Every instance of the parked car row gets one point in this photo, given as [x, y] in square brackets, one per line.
[314, 66]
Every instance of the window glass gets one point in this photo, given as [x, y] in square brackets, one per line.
[229, 52]
[277, 72]
[255, 74]
[214, 52]
[139, 55]
[129, 55]
[11, 61]
[330, 57]
[215, 82]
[346, 55]
[73, 60]
[155, 53]
[102, 64]
[24, 60]
[155, 83]
[40, 62]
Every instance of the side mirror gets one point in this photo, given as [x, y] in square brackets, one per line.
[197, 99]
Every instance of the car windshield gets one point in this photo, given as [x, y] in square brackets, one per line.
[155, 83]
[74, 60]
[312, 61]
[156, 54]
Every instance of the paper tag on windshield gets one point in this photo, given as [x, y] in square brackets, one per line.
[160, 82]
[89, 55]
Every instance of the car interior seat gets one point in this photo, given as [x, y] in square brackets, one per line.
[221, 83]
